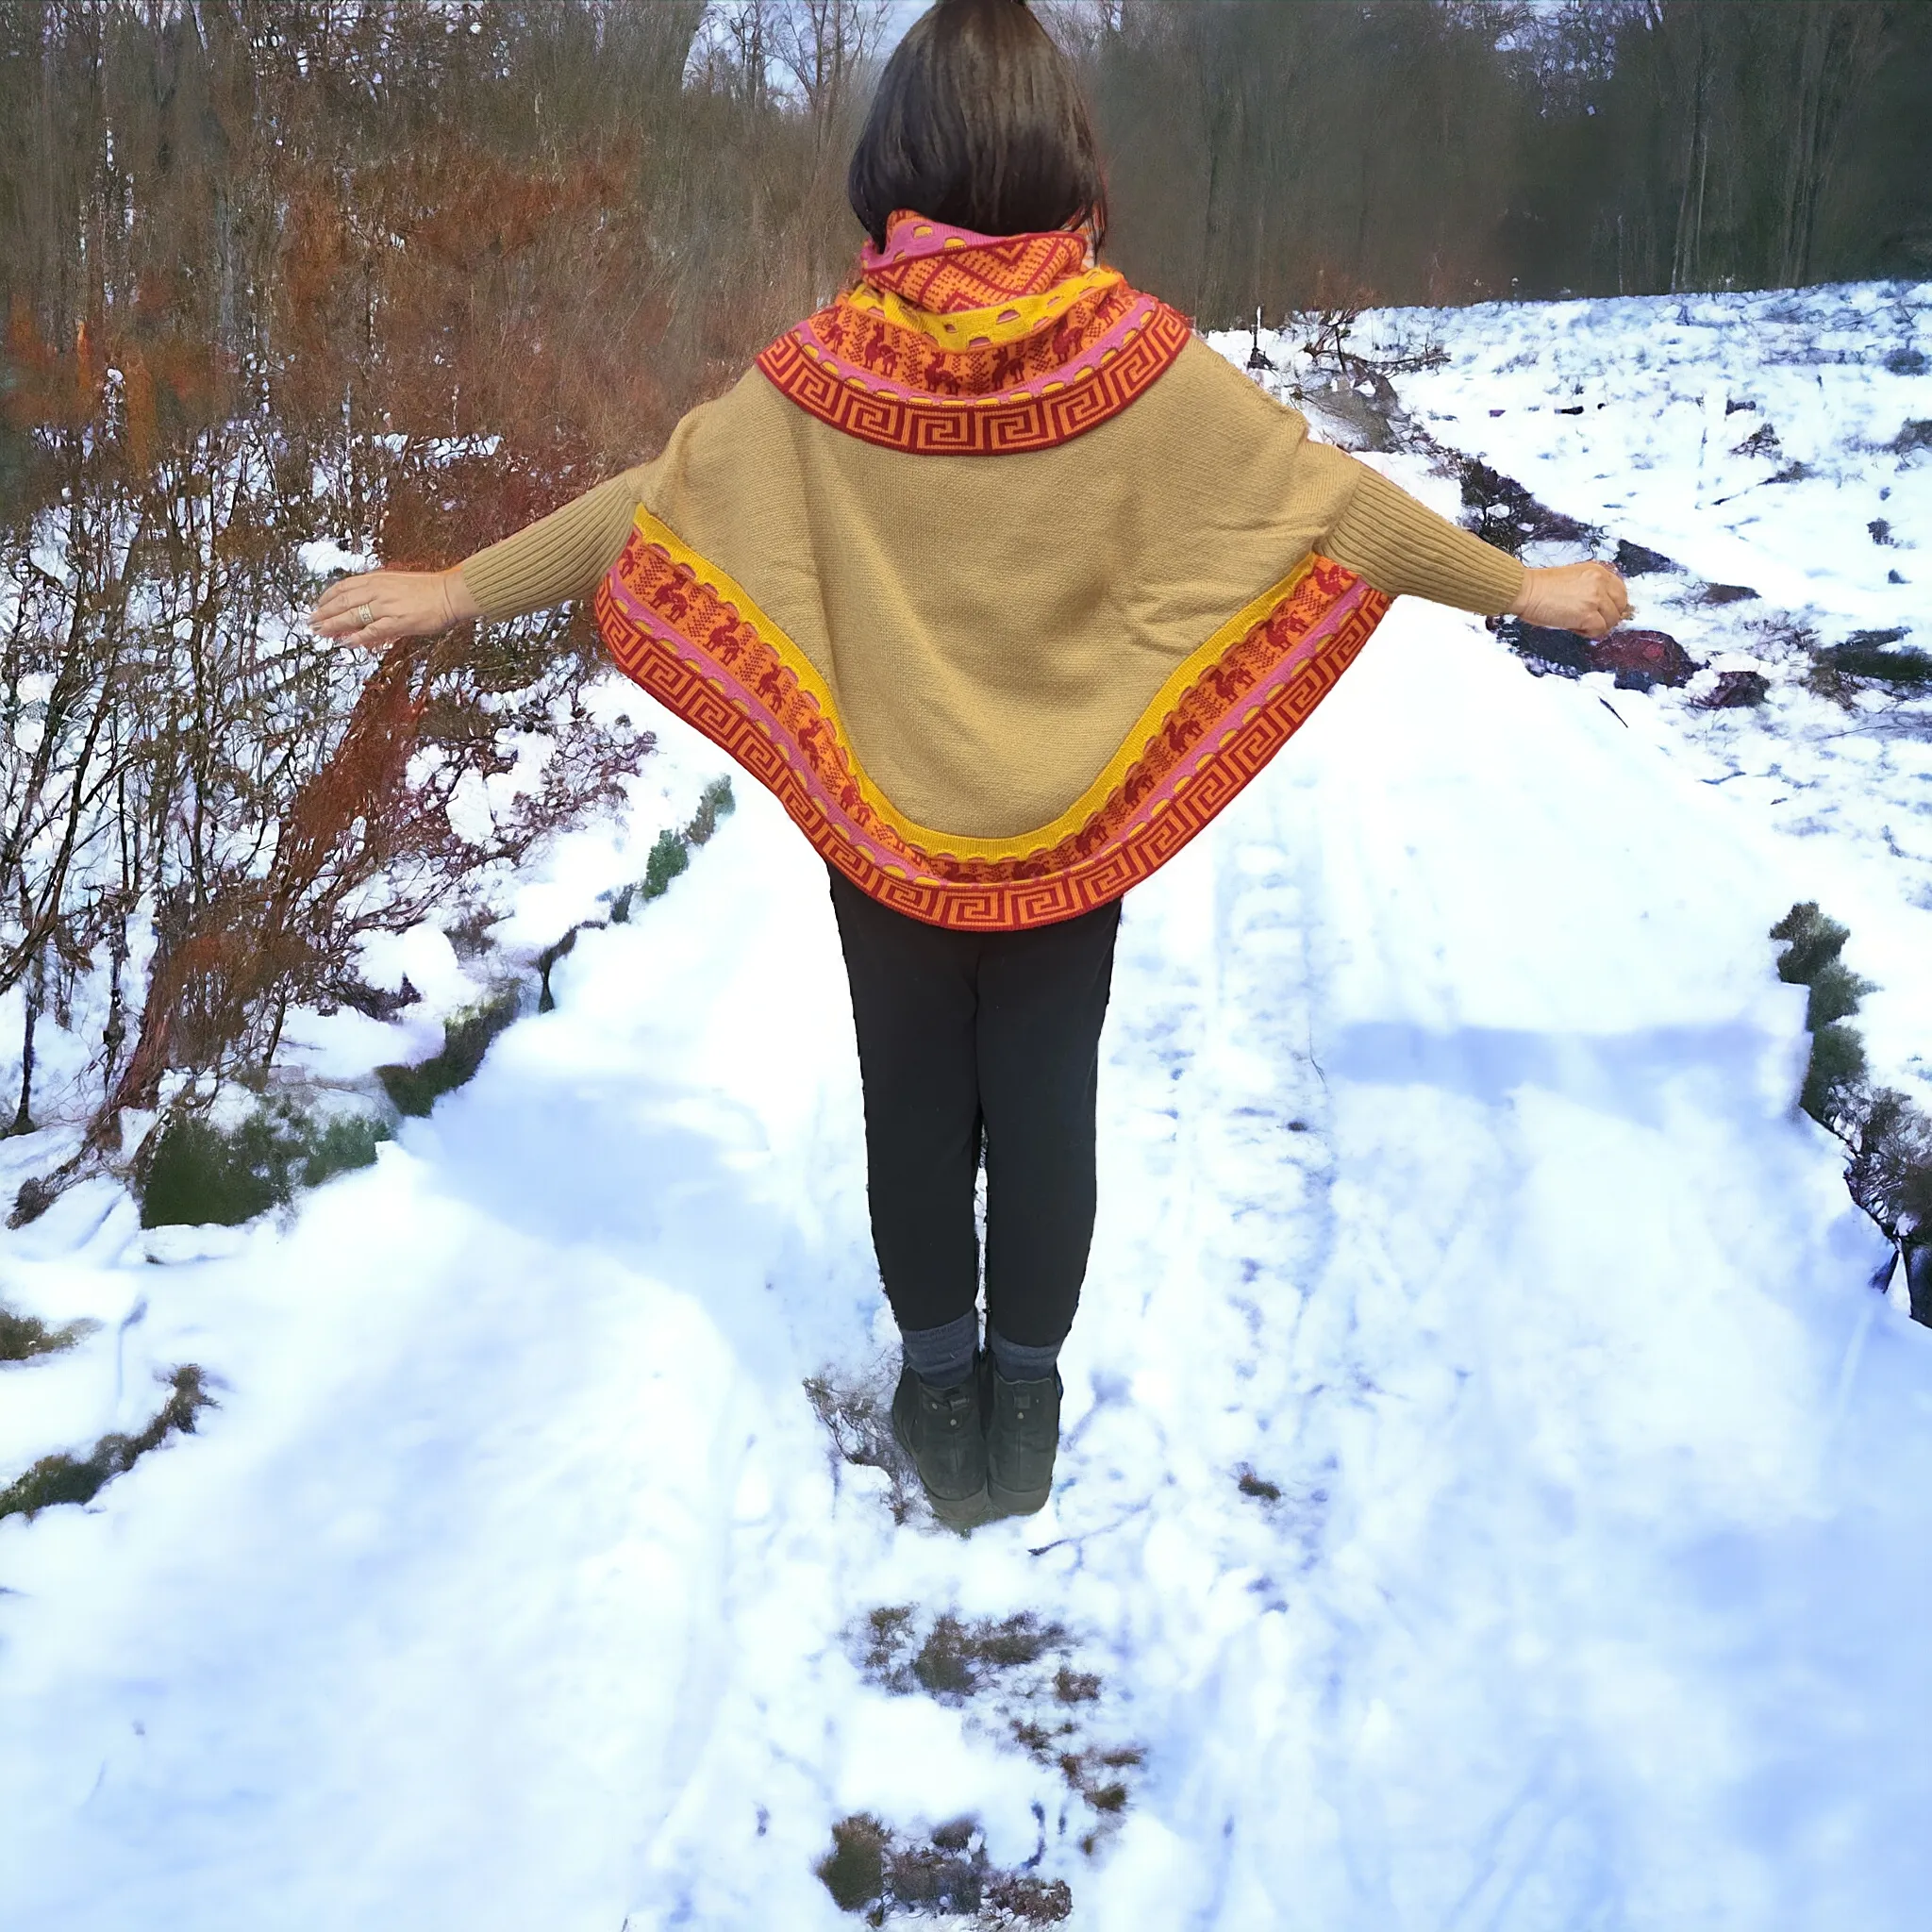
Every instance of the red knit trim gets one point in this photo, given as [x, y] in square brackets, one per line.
[995, 426]
[713, 665]
[949, 269]
[863, 341]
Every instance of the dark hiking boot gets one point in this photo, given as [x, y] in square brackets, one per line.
[941, 1431]
[1023, 1432]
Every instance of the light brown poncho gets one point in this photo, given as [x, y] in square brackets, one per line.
[1001, 578]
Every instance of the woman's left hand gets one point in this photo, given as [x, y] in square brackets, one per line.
[382, 606]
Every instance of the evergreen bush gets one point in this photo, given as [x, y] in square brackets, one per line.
[1812, 941]
[347, 1143]
[201, 1173]
[1893, 1165]
[22, 1336]
[670, 854]
[855, 1871]
[1890, 1174]
[1833, 1073]
[466, 1038]
[945, 1873]
[63, 1478]
[1835, 992]
[1810, 959]
[716, 802]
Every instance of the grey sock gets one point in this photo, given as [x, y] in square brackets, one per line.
[1016, 1362]
[942, 1356]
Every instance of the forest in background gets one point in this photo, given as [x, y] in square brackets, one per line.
[563, 221]
[1438, 153]
[403, 276]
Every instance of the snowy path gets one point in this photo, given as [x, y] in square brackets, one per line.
[1761, 440]
[1448, 1191]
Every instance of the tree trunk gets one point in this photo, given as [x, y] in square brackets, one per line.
[115, 1031]
[36, 999]
[1918, 1256]
[1685, 248]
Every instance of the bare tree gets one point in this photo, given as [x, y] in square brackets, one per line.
[826, 46]
[1831, 50]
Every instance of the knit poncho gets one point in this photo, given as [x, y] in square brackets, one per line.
[1000, 578]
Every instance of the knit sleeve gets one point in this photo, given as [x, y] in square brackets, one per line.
[1402, 546]
[559, 556]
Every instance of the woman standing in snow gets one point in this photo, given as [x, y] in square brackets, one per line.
[1004, 583]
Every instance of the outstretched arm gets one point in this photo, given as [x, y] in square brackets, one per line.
[559, 556]
[1402, 546]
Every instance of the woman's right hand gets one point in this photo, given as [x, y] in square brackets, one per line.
[1587, 598]
[400, 603]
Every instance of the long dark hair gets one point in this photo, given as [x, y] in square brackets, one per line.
[978, 123]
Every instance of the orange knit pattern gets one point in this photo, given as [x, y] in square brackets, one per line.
[878, 347]
[906, 388]
[718, 668]
[1003, 427]
[947, 269]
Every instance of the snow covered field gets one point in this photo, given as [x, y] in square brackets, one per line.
[1493, 1495]
[1777, 442]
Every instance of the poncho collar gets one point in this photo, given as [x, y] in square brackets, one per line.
[936, 267]
[952, 342]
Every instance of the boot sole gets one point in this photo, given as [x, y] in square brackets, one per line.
[967, 1512]
[1005, 1502]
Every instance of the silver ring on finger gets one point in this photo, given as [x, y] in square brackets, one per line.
[364, 615]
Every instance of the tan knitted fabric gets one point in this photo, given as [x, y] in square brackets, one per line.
[993, 627]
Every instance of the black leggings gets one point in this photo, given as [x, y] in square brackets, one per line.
[969, 1035]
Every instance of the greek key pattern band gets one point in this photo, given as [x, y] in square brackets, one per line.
[747, 688]
[996, 427]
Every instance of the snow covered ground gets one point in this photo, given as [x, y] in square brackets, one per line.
[1493, 1495]
[1775, 442]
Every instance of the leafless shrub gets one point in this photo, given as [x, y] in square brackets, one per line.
[858, 1417]
[1017, 1677]
[872, 1868]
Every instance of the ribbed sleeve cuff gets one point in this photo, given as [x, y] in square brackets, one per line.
[559, 556]
[1403, 547]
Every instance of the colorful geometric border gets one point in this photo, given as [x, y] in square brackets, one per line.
[1025, 316]
[941, 267]
[695, 642]
[1077, 395]
[902, 352]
